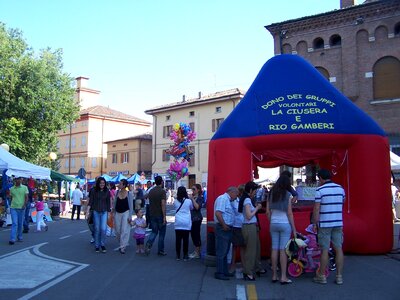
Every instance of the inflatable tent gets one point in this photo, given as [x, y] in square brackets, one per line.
[292, 115]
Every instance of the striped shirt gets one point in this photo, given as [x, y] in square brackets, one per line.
[331, 197]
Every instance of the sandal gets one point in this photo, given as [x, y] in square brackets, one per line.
[286, 282]
[248, 277]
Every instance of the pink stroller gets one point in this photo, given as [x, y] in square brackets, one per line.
[305, 255]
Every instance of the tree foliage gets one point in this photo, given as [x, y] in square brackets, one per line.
[36, 98]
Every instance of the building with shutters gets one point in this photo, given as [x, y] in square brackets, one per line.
[357, 48]
[204, 114]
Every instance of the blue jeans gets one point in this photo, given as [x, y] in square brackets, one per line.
[157, 227]
[222, 243]
[27, 216]
[100, 226]
[17, 217]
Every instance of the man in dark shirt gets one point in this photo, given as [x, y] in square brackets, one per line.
[158, 220]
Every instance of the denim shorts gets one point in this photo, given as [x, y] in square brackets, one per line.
[328, 234]
[280, 235]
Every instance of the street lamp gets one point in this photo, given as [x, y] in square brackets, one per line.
[5, 147]
[52, 156]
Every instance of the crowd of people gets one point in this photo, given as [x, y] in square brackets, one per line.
[103, 203]
[236, 217]
[235, 214]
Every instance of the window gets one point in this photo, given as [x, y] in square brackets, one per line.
[216, 123]
[192, 158]
[73, 142]
[191, 113]
[165, 155]
[318, 43]
[58, 145]
[82, 162]
[67, 143]
[324, 72]
[125, 157]
[335, 40]
[218, 109]
[83, 141]
[72, 162]
[94, 162]
[114, 158]
[191, 124]
[397, 29]
[386, 78]
[67, 163]
[167, 118]
[166, 131]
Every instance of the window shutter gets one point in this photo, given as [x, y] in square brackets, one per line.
[213, 125]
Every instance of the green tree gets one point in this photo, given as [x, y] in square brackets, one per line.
[36, 98]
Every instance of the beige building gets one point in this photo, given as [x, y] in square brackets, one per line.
[83, 144]
[129, 155]
[204, 114]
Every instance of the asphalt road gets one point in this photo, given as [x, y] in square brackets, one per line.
[62, 264]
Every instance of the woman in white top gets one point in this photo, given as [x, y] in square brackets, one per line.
[183, 222]
[251, 261]
[279, 212]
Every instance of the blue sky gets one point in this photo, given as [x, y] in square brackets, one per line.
[141, 54]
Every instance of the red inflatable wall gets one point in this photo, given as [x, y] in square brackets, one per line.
[364, 172]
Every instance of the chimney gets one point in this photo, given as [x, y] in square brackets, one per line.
[183, 98]
[81, 82]
[199, 95]
[346, 3]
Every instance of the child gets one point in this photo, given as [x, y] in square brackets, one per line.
[40, 212]
[312, 245]
[140, 230]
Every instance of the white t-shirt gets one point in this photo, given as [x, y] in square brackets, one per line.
[253, 220]
[76, 197]
[183, 219]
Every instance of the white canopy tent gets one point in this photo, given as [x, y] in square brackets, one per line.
[20, 168]
[394, 162]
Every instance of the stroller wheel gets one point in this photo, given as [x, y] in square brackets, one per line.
[294, 270]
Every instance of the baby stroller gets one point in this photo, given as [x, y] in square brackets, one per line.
[304, 255]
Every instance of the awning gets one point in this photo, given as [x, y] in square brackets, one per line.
[56, 176]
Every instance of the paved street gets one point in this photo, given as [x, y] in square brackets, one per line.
[62, 264]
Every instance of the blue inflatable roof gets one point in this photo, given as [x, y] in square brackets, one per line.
[290, 96]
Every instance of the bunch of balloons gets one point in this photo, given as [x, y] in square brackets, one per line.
[181, 135]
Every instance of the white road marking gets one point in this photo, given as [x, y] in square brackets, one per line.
[83, 231]
[64, 237]
[23, 264]
[241, 292]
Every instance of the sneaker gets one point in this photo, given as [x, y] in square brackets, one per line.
[11, 242]
[103, 249]
[339, 279]
[161, 253]
[92, 241]
[97, 250]
[137, 251]
[185, 258]
[178, 258]
[319, 278]
[142, 251]
[194, 255]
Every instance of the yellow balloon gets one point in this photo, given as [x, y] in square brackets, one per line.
[176, 126]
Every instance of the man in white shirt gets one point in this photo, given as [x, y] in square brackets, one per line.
[224, 216]
[77, 197]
